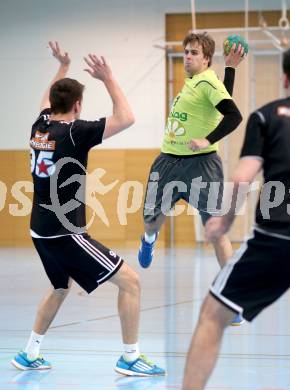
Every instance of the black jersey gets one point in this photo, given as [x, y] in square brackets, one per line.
[268, 138]
[59, 154]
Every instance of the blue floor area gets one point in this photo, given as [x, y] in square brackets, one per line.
[84, 341]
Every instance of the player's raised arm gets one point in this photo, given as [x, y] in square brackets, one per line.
[244, 174]
[64, 61]
[232, 61]
[122, 116]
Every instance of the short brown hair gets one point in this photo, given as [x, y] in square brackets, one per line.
[205, 41]
[64, 94]
[286, 63]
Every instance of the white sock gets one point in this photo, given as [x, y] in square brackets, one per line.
[149, 238]
[131, 352]
[33, 346]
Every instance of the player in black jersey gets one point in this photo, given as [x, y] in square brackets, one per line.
[259, 273]
[60, 143]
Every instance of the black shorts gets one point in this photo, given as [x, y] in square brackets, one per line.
[197, 179]
[78, 256]
[256, 276]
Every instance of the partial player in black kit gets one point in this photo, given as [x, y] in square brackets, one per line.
[259, 273]
[60, 142]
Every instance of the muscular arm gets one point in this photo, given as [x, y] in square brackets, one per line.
[122, 116]
[244, 174]
[229, 79]
[64, 61]
[249, 165]
[232, 61]
[232, 118]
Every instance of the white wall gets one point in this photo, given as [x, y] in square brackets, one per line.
[122, 30]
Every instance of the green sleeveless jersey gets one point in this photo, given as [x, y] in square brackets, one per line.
[193, 113]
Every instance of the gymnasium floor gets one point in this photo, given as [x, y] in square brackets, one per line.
[84, 342]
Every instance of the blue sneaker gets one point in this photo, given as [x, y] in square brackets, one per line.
[237, 320]
[145, 254]
[139, 367]
[22, 362]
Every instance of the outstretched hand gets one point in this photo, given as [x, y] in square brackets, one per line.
[235, 57]
[63, 58]
[98, 67]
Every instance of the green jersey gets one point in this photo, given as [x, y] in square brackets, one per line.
[193, 113]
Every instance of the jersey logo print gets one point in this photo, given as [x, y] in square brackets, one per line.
[283, 111]
[41, 136]
[42, 165]
[174, 129]
[42, 168]
[40, 142]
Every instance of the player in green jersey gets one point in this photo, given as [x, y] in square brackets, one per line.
[188, 167]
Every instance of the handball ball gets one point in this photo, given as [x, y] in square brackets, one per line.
[237, 39]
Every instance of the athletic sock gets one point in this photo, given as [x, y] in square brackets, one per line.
[131, 352]
[33, 346]
[150, 238]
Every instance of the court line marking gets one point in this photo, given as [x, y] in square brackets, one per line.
[117, 315]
